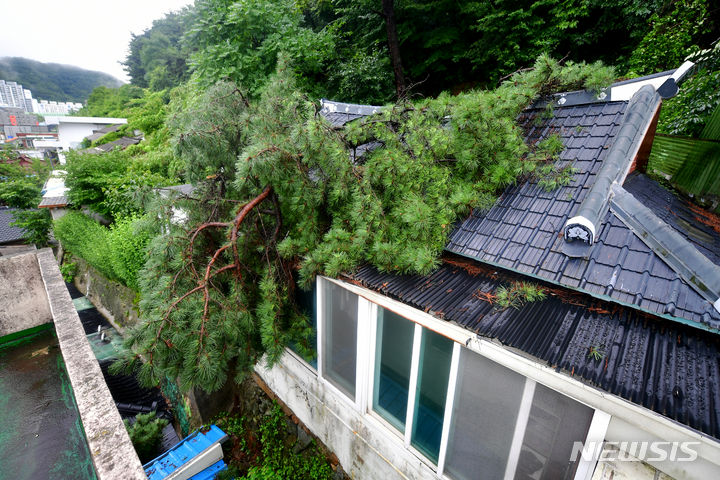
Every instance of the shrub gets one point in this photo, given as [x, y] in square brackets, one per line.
[68, 271]
[117, 252]
[146, 434]
[127, 241]
[84, 237]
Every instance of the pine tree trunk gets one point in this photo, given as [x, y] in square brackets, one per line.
[388, 9]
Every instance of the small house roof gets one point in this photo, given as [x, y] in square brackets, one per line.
[9, 233]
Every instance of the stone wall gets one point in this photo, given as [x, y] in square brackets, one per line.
[113, 299]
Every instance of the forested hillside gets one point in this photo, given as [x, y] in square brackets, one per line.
[53, 81]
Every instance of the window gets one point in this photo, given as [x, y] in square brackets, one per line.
[306, 347]
[485, 411]
[340, 312]
[432, 384]
[393, 358]
[471, 416]
[507, 426]
[555, 422]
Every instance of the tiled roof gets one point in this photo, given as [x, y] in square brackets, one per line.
[338, 113]
[668, 368]
[48, 202]
[8, 233]
[698, 226]
[523, 230]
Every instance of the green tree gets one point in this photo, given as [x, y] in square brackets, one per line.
[240, 41]
[21, 189]
[677, 30]
[295, 200]
[157, 57]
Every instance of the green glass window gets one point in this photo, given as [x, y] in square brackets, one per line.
[340, 336]
[393, 359]
[432, 384]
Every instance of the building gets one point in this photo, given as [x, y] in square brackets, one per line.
[613, 374]
[12, 238]
[14, 95]
[45, 107]
[72, 130]
[14, 121]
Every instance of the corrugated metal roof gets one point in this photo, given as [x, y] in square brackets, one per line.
[523, 230]
[665, 367]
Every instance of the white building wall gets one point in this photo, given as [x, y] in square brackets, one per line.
[71, 132]
[366, 451]
[368, 448]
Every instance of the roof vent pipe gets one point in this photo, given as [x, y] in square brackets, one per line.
[638, 116]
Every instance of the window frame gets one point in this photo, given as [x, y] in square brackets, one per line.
[367, 322]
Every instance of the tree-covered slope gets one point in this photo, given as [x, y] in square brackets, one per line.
[53, 81]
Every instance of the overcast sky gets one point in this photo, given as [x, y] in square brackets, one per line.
[91, 34]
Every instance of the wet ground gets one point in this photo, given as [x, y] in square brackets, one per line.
[41, 436]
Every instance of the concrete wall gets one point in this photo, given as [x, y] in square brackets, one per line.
[114, 300]
[365, 448]
[23, 302]
[112, 451]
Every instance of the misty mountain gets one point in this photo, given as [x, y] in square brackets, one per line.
[53, 81]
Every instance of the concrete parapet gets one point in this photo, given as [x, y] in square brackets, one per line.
[23, 303]
[112, 451]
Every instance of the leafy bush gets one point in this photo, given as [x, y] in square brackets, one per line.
[86, 238]
[127, 241]
[688, 112]
[675, 33]
[276, 458]
[36, 223]
[68, 271]
[146, 434]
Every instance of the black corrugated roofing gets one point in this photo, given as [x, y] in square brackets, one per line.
[523, 230]
[665, 367]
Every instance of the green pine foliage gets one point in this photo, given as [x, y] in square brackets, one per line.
[303, 195]
[518, 294]
[146, 434]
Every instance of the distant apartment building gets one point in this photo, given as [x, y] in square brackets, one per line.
[14, 120]
[45, 107]
[13, 94]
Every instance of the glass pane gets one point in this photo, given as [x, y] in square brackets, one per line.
[487, 400]
[555, 422]
[434, 371]
[306, 347]
[393, 356]
[340, 342]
